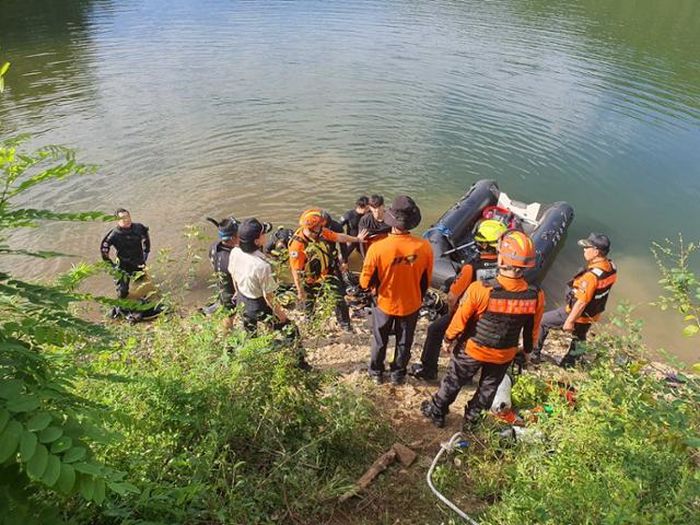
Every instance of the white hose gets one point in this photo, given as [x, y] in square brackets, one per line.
[447, 447]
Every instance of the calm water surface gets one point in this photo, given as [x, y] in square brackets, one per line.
[213, 107]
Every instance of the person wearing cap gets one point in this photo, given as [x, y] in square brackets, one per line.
[219, 253]
[482, 267]
[373, 222]
[253, 278]
[313, 260]
[350, 221]
[132, 244]
[586, 297]
[486, 329]
[398, 270]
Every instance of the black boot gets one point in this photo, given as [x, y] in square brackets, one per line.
[429, 410]
[472, 416]
[416, 370]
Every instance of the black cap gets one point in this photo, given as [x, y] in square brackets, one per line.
[403, 214]
[599, 241]
[228, 228]
[251, 229]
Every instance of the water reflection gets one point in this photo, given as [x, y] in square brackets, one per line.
[208, 108]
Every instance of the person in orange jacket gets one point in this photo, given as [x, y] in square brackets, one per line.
[494, 312]
[398, 269]
[313, 260]
[586, 297]
[481, 267]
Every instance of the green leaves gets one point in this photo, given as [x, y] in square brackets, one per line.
[39, 421]
[27, 445]
[74, 454]
[9, 439]
[37, 465]
[66, 479]
[50, 434]
[23, 403]
[690, 330]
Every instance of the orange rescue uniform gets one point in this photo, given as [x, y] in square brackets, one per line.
[473, 306]
[584, 287]
[298, 257]
[399, 268]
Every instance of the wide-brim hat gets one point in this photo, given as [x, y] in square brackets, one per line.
[403, 214]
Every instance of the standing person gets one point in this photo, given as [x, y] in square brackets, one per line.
[499, 310]
[313, 261]
[398, 269]
[374, 223]
[351, 222]
[252, 275]
[219, 253]
[482, 267]
[131, 244]
[587, 295]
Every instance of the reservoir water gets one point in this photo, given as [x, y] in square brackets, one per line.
[217, 107]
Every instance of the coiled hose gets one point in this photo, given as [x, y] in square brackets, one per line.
[449, 446]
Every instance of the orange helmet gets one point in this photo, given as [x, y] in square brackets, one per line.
[312, 219]
[515, 248]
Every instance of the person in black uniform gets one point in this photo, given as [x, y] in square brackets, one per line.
[350, 221]
[131, 244]
[374, 223]
[219, 253]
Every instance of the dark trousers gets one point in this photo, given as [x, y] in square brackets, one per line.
[126, 273]
[555, 319]
[338, 290]
[461, 370]
[433, 342]
[383, 325]
[257, 310]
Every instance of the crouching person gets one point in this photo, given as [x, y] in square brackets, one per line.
[256, 284]
[499, 309]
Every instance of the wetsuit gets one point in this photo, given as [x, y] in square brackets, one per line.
[219, 256]
[351, 222]
[132, 246]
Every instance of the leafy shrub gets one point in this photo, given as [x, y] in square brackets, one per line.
[623, 454]
[221, 430]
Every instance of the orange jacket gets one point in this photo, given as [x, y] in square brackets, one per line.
[298, 257]
[474, 304]
[584, 287]
[399, 269]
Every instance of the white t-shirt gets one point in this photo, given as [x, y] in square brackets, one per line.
[251, 273]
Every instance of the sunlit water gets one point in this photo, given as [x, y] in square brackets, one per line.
[196, 108]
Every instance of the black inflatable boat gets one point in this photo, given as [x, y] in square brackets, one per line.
[452, 237]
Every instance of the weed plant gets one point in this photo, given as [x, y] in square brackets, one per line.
[625, 453]
[223, 430]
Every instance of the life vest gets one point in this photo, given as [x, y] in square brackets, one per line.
[485, 269]
[320, 256]
[506, 315]
[604, 282]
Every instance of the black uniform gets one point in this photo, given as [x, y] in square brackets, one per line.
[132, 246]
[219, 255]
[351, 222]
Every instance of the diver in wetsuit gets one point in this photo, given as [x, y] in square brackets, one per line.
[131, 244]
[219, 253]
